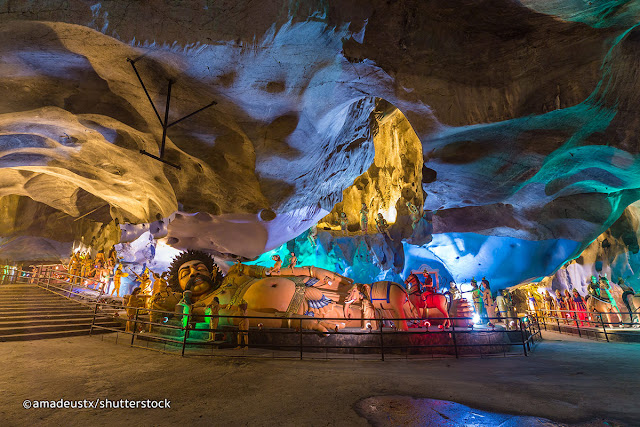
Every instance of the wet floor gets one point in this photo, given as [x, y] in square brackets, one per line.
[408, 411]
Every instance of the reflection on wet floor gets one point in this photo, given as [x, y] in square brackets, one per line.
[409, 411]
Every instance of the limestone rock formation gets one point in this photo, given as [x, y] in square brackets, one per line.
[515, 124]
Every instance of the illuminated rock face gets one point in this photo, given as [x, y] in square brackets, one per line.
[519, 122]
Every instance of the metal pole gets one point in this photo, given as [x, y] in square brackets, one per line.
[524, 347]
[166, 120]
[186, 333]
[603, 328]
[93, 321]
[455, 344]
[300, 338]
[381, 341]
[577, 326]
[135, 326]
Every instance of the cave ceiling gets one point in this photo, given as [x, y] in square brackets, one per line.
[523, 116]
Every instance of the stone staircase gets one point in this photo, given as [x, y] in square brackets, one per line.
[29, 312]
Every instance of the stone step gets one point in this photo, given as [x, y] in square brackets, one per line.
[27, 317]
[53, 334]
[36, 311]
[14, 330]
[11, 323]
[41, 304]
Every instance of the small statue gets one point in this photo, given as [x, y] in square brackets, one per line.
[74, 267]
[414, 214]
[580, 307]
[145, 282]
[454, 291]
[293, 260]
[312, 237]
[117, 277]
[561, 306]
[476, 295]
[487, 300]
[133, 301]
[277, 266]
[214, 309]
[364, 218]
[606, 286]
[428, 283]
[344, 222]
[532, 303]
[548, 303]
[593, 287]
[100, 257]
[626, 291]
[87, 266]
[382, 226]
[243, 325]
[502, 304]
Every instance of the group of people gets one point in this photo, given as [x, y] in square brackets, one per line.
[93, 273]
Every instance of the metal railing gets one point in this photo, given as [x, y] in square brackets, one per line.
[294, 341]
[585, 324]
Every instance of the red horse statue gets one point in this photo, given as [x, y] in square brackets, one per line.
[428, 299]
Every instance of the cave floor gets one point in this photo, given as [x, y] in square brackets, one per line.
[566, 379]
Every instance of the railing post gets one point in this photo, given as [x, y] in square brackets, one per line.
[455, 344]
[93, 321]
[381, 340]
[186, 332]
[135, 326]
[603, 328]
[577, 325]
[524, 346]
[300, 338]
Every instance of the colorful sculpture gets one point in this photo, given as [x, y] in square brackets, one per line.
[580, 308]
[429, 299]
[476, 295]
[603, 302]
[293, 260]
[133, 302]
[549, 306]
[361, 293]
[561, 306]
[344, 223]
[384, 295]
[243, 325]
[312, 237]
[487, 300]
[382, 226]
[414, 214]
[364, 218]
[117, 280]
[276, 267]
[454, 291]
[74, 267]
[214, 310]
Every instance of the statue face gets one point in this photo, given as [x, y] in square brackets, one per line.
[197, 275]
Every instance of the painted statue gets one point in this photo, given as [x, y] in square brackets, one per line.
[364, 218]
[344, 223]
[414, 214]
[294, 292]
[361, 293]
[593, 287]
[133, 302]
[532, 303]
[74, 267]
[603, 302]
[384, 296]
[214, 312]
[243, 325]
[476, 295]
[382, 226]
[117, 279]
[277, 266]
[628, 297]
[549, 306]
[580, 308]
[561, 306]
[454, 291]
[293, 260]
[487, 300]
[429, 299]
[312, 237]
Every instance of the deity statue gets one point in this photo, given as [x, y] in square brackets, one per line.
[344, 222]
[548, 303]
[117, 279]
[414, 214]
[593, 287]
[454, 291]
[87, 266]
[214, 310]
[364, 218]
[382, 226]
[561, 306]
[487, 300]
[476, 295]
[243, 325]
[133, 302]
[312, 237]
[276, 267]
[293, 260]
[580, 308]
[74, 267]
